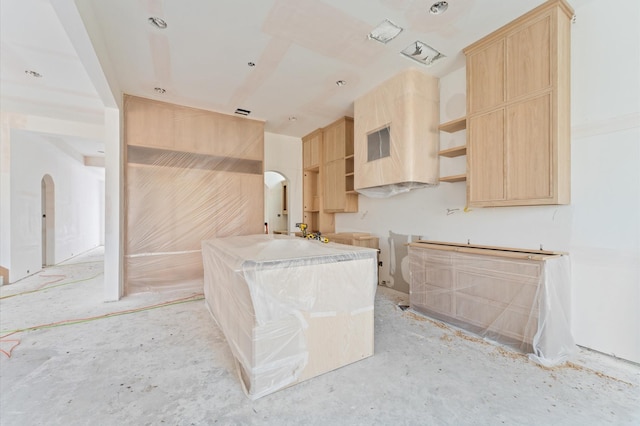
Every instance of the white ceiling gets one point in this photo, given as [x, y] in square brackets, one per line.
[300, 48]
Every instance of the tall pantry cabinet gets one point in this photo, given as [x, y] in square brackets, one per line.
[328, 161]
[337, 149]
[313, 213]
[518, 111]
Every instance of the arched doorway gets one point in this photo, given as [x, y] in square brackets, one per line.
[276, 202]
[48, 221]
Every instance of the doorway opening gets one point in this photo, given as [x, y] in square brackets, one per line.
[48, 221]
[276, 203]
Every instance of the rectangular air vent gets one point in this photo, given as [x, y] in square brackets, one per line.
[243, 111]
[385, 32]
[422, 53]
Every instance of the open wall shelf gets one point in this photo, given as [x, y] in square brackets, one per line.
[454, 178]
[454, 125]
[454, 152]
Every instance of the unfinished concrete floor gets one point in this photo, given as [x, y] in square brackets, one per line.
[171, 365]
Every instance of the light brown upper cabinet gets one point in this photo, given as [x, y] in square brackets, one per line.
[339, 195]
[311, 146]
[518, 110]
[313, 213]
[155, 124]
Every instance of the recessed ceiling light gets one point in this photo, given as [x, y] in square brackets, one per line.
[159, 90]
[293, 118]
[251, 64]
[340, 83]
[158, 22]
[438, 7]
[385, 32]
[31, 73]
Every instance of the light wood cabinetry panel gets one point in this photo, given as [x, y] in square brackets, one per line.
[334, 141]
[486, 148]
[485, 74]
[408, 104]
[360, 239]
[311, 147]
[190, 175]
[529, 162]
[523, 139]
[162, 125]
[529, 59]
[334, 182]
[313, 213]
[338, 167]
[149, 123]
[311, 201]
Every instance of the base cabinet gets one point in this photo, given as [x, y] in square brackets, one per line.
[360, 239]
[518, 298]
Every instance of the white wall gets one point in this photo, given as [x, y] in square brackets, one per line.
[601, 227]
[78, 201]
[283, 154]
[273, 202]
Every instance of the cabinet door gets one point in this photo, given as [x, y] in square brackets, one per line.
[311, 150]
[485, 155]
[310, 191]
[334, 141]
[529, 59]
[485, 77]
[150, 124]
[334, 183]
[529, 149]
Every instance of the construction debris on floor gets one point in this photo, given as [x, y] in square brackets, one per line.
[156, 358]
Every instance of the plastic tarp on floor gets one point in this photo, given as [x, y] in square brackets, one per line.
[290, 308]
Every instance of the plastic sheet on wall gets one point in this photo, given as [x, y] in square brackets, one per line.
[290, 308]
[173, 203]
[519, 300]
[190, 175]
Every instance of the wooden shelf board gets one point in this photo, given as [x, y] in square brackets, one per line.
[351, 192]
[454, 125]
[454, 152]
[454, 178]
[348, 157]
[349, 174]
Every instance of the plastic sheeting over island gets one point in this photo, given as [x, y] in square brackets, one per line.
[290, 308]
[511, 296]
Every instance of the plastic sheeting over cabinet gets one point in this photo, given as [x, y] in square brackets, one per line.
[190, 175]
[290, 308]
[521, 299]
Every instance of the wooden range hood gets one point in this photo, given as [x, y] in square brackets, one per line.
[396, 135]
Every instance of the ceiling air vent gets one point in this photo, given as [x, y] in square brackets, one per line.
[422, 53]
[385, 32]
[244, 112]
